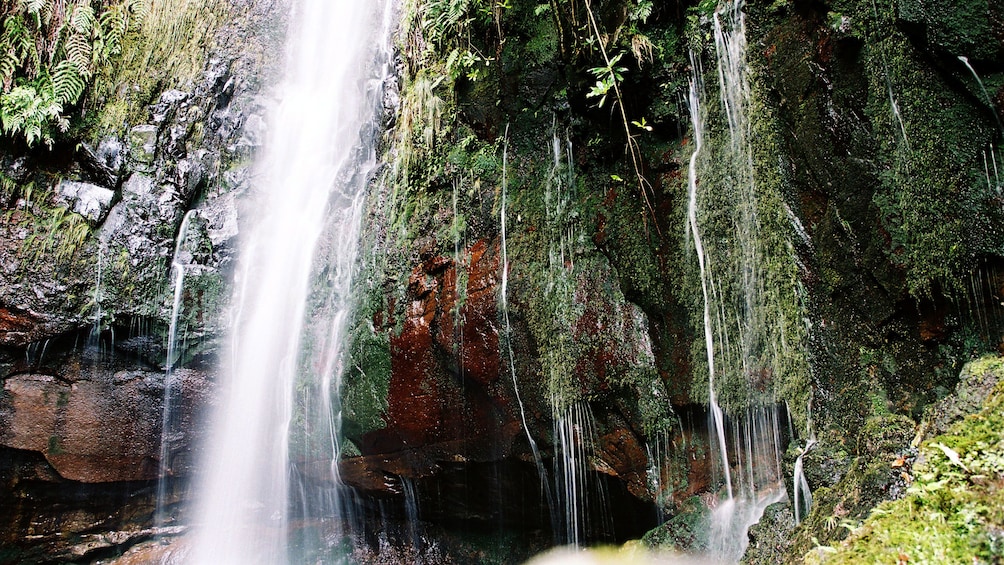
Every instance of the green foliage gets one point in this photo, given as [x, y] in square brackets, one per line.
[952, 512]
[53, 232]
[450, 27]
[607, 77]
[49, 52]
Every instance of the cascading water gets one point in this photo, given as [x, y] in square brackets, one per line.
[742, 349]
[986, 95]
[168, 416]
[718, 419]
[803, 494]
[577, 488]
[318, 158]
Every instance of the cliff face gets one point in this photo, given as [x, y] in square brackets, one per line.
[528, 272]
[90, 232]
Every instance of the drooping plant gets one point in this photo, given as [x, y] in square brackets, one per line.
[49, 52]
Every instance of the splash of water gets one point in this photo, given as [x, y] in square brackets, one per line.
[979, 81]
[318, 157]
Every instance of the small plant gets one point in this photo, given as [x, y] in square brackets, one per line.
[606, 78]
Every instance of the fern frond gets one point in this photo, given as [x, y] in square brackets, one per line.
[27, 111]
[68, 82]
[113, 25]
[33, 7]
[140, 10]
[78, 53]
[82, 18]
[20, 44]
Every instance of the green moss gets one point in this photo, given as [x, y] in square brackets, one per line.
[367, 382]
[55, 447]
[168, 51]
[752, 274]
[952, 512]
[686, 531]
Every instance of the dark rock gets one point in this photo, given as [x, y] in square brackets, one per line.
[770, 538]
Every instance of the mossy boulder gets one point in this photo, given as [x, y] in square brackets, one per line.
[952, 511]
[686, 531]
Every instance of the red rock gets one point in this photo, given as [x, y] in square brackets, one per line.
[444, 388]
[18, 328]
[103, 428]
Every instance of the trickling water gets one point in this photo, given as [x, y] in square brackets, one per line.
[744, 330]
[96, 325]
[577, 488]
[318, 156]
[993, 158]
[167, 411]
[803, 494]
[759, 484]
[718, 419]
[990, 101]
[504, 298]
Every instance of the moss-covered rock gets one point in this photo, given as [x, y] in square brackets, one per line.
[951, 512]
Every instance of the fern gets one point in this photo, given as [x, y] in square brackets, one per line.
[49, 50]
[68, 82]
[82, 18]
[34, 7]
[30, 112]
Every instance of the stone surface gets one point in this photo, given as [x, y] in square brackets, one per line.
[88, 200]
[94, 427]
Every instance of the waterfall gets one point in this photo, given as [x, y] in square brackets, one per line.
[743, 325]
[167, 415]
[318, 157]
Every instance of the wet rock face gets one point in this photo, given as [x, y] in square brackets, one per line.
[446, 397]
[452, 420]
[98, 419]
[469, 404]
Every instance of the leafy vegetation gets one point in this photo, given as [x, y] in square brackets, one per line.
[49, 52]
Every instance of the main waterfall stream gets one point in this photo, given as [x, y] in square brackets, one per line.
[312, 174]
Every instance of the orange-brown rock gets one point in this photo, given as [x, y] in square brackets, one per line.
[102, 428]
[445, 386]
[19, 328]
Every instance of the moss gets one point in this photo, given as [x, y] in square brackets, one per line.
[952, 510]
[748, 234]
[55, 447]
[685, 532]
[367, 382]
[931, 143]
[169, 51]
